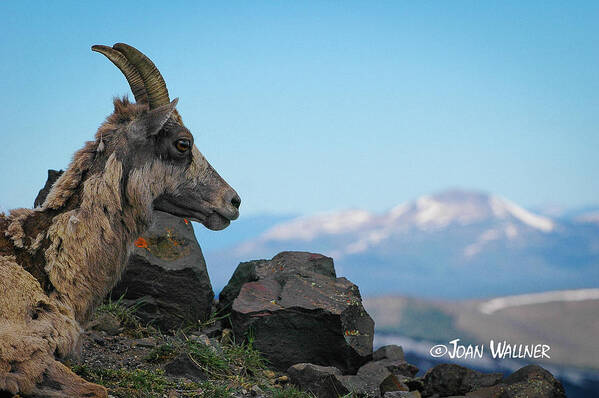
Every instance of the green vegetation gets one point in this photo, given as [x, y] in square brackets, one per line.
[126, 316]
[229, 367]
[162, 353]
[289, 392]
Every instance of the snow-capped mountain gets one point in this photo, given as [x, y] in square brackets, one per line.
[365, 230]
[452, 244]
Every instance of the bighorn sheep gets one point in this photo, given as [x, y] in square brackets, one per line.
[57, 262]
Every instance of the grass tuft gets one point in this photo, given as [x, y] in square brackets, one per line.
[232, 368]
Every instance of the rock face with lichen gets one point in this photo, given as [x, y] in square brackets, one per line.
[296, 310]
[167, 273]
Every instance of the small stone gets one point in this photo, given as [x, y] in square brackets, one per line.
[106, 323]
[378, 379]
[183, 366]
[393, 352]
[282, 379]
[202, 339]
[269, 374]
[398, 367]
[148, 342]
[321, 381]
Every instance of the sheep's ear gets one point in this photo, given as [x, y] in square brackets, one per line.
[151, 123]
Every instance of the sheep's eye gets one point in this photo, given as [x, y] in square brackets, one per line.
[182, 145]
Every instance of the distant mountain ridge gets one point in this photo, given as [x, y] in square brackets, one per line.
[565, 320]
[454, 244]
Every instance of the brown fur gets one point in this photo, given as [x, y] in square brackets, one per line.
[57, 262]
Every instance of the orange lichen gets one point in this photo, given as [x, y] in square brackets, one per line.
[141, 242]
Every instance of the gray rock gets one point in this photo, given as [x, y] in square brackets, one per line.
[372, 380]
[183, 366]
[358, 387]
[449, 379]
[393, 351]
[248, 272]
[167, 272]
[319, 380]
[297, 311]
[531, 381]
[378, 380]
[245, 272]
[399, 367]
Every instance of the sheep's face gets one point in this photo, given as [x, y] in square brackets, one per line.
[163, 168]
[167, 170]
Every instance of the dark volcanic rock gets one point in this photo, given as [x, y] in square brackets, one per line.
[372, 380]
[379, 380]
[183, 366]
[389, 352]
[298, 312]
[41, 196]
[319, 380]
[449, 379]
[398, 367]
[531, 381]
[168, 273]
[245, 272]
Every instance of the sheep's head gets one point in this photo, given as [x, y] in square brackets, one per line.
[162, 167]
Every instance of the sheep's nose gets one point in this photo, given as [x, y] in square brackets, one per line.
[236, 201]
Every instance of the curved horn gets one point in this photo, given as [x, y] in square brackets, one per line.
[155, 86]
[131, 74]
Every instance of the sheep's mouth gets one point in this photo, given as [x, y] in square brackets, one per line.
[194, 210]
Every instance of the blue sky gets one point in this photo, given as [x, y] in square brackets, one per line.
[316, 106]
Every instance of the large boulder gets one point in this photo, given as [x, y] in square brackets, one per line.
[166, 271]
[297, 311]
